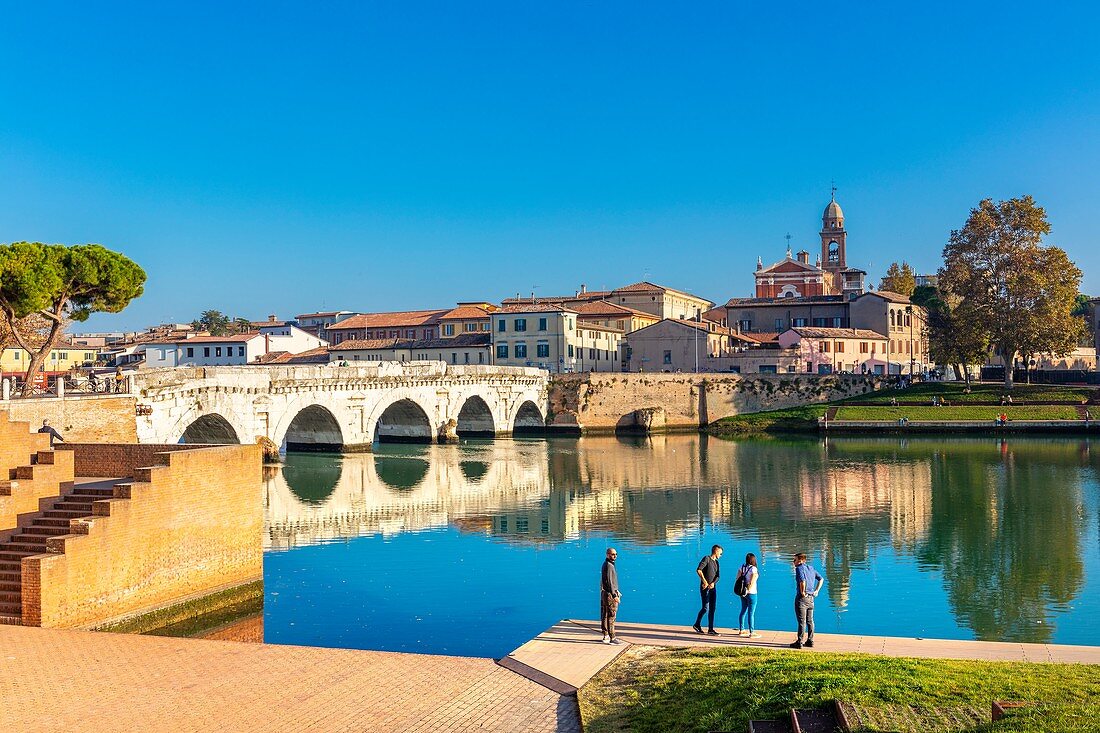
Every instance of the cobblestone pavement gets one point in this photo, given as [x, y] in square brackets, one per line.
[60, 680]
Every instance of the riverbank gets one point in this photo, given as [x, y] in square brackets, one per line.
[935, 407]
[660, 689]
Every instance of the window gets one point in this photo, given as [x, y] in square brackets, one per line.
[520, 324]
[217, 351]
[863, 347]
[454, 358]
[840, 347]
[542, 350]
[206, 351]
[593, 354]
[504, 524]
[745, 324]
[466, 357]
[484, 326]
[799, 323]
[480, 357]
[823, 347]
[667, 357]
[240, 351]
[410, 333]
[542, 324]
[570, 351]
[502, 350]
[190, 350]
[838, 322]
[778, 324]
[820, 322]
[448, 329]
[521, 351]
[501, 325]
[467, 327]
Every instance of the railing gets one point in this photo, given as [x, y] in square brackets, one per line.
[11, 388]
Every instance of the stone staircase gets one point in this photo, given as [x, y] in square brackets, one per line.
[44, 484]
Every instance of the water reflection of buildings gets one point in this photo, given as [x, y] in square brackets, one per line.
[963, 509]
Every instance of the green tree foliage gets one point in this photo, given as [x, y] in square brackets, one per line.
[60, 284]
[219, 324]
[1020, 291]
[899, 279]
[956, 335]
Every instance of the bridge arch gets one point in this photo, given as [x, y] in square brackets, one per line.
[314, 428]
[210, 428]
[475, 419]
[528, 419]
[404, 421]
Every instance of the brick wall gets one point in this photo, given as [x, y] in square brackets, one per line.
[98, 419]
[116, 460]
[190, 525]
[21, 484]
[605, 402]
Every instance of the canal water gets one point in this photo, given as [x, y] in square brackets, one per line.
[472, 549]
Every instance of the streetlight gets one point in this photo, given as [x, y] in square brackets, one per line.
[912, 356]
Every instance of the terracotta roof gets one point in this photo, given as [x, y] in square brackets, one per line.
[814, 332]
[535, 308]
[889, 295]
[397, 319]
[313, 356]
[239, 338]
[763, 337]
[465, 313]
[605, 308]
[704, 327]
[369, 344]
[804, 300]
[646, 286]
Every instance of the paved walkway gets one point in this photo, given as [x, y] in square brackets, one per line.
[60, 680]
[569, 653]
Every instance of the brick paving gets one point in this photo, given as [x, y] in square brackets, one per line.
[54, 680]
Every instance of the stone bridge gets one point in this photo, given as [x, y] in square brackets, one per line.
[329, 407]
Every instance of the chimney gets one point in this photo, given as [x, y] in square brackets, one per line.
[804, 257]
[584, 288]
[272, 318]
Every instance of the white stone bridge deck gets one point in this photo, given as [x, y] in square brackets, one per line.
[339, 407]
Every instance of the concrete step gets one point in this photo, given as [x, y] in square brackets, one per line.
[769, 726]
[37, 535]
[93, 493]
[66, 513]
[14, 555]
[6, 620]
[43, 522]
[30, 548]
[814, 720]
[48, 530]
[77, 503]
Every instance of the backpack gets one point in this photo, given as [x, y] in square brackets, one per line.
[741, 585]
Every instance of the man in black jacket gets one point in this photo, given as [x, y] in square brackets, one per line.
[609, 597]
[709, 572]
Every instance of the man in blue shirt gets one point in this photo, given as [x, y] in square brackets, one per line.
[805, 577]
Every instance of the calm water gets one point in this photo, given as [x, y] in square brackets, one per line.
[473, 549]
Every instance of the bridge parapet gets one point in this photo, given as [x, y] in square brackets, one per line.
[346, 407]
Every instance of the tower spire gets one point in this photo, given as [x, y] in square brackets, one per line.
[833, 184]
[788, 238]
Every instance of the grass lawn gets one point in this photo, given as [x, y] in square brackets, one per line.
[649, 689]
[799, 418]
[982, 393]
[982, 413]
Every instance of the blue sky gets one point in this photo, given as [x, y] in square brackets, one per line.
[286, 157]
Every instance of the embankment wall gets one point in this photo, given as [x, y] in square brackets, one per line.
[85, 419]
[655, 402]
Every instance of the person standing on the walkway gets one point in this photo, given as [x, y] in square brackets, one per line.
[805, 575]
[708, 572]
[610, 596]
[120, 379]
[748, 575]
[49, 430]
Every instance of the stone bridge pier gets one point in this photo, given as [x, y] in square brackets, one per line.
[329, 407]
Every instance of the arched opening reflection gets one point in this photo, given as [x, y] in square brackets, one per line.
[400, 472]
[475, 419]
[314, 429]
[210, 429]
[529, 420]
[312, 477]
[474, 471]
[403, 422]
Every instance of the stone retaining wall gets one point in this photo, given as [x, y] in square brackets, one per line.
[87, 419]
[190, 525]
[116, 460]
[652, 402]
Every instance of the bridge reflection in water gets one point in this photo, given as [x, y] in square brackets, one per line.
[995, 533]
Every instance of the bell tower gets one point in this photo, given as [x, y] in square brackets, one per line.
[833, 242]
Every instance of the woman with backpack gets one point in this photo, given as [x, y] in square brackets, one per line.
[745, 586]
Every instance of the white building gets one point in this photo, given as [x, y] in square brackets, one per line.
[238, 349]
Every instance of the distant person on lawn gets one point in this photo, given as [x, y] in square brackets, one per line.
[708, 572]
[804, 576]
[609, 597]
[49, 430]
[748, 575]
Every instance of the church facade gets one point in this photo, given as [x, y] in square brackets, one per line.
[795, 277]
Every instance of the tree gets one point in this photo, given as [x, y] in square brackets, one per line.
[1019, 290]
[217, 323]
[899, 279]
[956, 335]
[60, 284]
